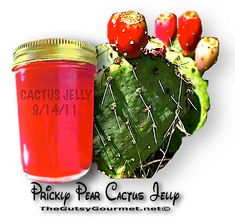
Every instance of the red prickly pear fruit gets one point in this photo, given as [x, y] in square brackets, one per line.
[189, 31]
[166, 27]
[111, 34]
[127, 33]
[206, 53]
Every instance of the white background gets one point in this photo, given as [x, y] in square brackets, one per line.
[202, 170]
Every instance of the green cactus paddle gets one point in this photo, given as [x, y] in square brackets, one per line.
[143, 108]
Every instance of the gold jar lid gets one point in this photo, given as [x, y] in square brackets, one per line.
[54, 49]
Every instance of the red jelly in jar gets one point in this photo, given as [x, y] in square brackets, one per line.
[55, 93]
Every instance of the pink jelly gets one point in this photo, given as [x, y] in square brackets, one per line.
[55, 107]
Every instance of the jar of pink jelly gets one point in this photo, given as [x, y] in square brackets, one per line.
[55, 93]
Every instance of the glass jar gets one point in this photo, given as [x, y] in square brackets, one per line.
[55, 94]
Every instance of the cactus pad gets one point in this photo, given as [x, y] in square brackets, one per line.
[143, 108]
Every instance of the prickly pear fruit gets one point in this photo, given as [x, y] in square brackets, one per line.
[127, 33]
[206, 53]
[166, 27]
[189, 31]
[112, 30]
[143, 108]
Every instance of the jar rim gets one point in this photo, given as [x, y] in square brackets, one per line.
[54, 49]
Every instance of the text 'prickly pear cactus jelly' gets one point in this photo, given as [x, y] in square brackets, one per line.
[55, 92]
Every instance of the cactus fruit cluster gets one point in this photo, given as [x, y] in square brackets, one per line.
[149, 96]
